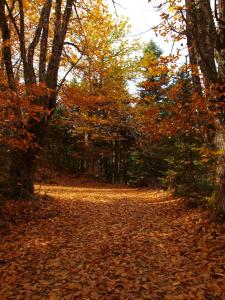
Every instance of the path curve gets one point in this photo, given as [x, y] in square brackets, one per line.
[110, 243]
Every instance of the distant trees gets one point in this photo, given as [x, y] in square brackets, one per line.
[97, 103]
[170, 131]
[106, 129]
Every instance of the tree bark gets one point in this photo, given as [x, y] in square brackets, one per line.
[22, 174]
[208, 41]
[219, 192]
[23, 162]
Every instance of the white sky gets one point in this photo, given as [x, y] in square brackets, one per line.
[142, 16]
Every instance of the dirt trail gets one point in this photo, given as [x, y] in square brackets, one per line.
[110, 243]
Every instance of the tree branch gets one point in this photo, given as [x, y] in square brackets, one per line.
[44, 43]
[73, 65]
[7, 54]
[74, 45]
[34, 43]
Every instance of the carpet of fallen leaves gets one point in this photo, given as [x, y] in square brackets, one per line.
[109, 243]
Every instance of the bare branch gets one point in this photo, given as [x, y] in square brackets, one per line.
[44, 43]
[58, 41]
[7, 54]
[73, 65]
[34, 43]
[74, 45]
[12, 18]
[114, 5]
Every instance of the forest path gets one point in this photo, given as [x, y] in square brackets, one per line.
[110, 243]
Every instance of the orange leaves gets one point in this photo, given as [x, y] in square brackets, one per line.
[18, 109]
[106, 243]
[76, 96]
[173, 106]
[172, 25]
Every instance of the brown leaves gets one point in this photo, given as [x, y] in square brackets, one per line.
[109, 243]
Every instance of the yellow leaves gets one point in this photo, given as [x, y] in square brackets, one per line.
[105, 47]
[172, 25]
[94, 38]
[208, 154]
[171, 9]
[155, 67]
[73, 58]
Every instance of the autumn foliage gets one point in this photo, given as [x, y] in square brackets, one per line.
[107, 193]
[95, 242]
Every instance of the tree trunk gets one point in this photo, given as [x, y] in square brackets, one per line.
[219, 193]
[23, 162]
[208, 40]
[219, 123]
[22, 174]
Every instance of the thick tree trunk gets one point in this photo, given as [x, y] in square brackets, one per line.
[23, 163]
[22, 174]
[219, 193]
[208, 41]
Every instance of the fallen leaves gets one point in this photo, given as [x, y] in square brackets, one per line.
[109, 243]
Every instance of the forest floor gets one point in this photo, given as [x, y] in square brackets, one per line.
[105, 242]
